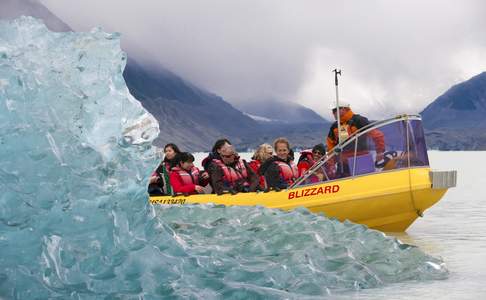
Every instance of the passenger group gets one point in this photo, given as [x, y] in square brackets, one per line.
[224, 171]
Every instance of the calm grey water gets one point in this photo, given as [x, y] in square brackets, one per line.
[454, 229]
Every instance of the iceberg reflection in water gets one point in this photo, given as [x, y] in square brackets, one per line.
[75, 156]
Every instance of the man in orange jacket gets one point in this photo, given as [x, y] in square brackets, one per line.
[350, 123]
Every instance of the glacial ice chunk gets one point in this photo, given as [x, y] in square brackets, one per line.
[75, 155]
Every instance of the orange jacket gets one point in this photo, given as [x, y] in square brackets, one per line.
[353, 122]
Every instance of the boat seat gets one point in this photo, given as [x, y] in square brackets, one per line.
[364, 164]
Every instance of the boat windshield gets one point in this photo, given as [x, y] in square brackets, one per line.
[386, 145]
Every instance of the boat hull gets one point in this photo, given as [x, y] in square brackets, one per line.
[388, 201]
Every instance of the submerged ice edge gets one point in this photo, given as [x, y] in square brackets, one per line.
[74, 218]
[309, 253]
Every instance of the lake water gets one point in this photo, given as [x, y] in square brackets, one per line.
[453, 229]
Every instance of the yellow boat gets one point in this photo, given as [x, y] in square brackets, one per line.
[387, 195]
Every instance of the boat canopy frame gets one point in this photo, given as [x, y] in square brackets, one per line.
[335, 157]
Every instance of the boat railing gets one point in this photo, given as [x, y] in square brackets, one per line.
[402, 135]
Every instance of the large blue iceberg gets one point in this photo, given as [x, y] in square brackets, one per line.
[75, 156]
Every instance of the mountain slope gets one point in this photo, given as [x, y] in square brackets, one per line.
[196, 117]
[285, 112]
[462, 106]
[456, 120]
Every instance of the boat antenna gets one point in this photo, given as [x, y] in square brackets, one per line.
[338, 117]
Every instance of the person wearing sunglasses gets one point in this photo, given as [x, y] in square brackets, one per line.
[230, 173]
[349, 124]
[215, 152]
[308, 158]
[280, 171]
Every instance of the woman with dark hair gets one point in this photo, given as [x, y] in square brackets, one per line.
[185, 178]
[215, 152]
[308, 158]
[159, 183]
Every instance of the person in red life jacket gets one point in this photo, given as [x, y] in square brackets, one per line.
[308, 158]
[230, 173]
[263, 152]
[185, 178]
[159, 183]
[215, 152]
[350, 123]
[280, 171]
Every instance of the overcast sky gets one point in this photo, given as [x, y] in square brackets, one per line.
[395, 56]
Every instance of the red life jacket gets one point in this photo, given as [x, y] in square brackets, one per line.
[191, 177]
[306, 156]
[255, 166]
[306, 160]
[288, 172]
[233, 175]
